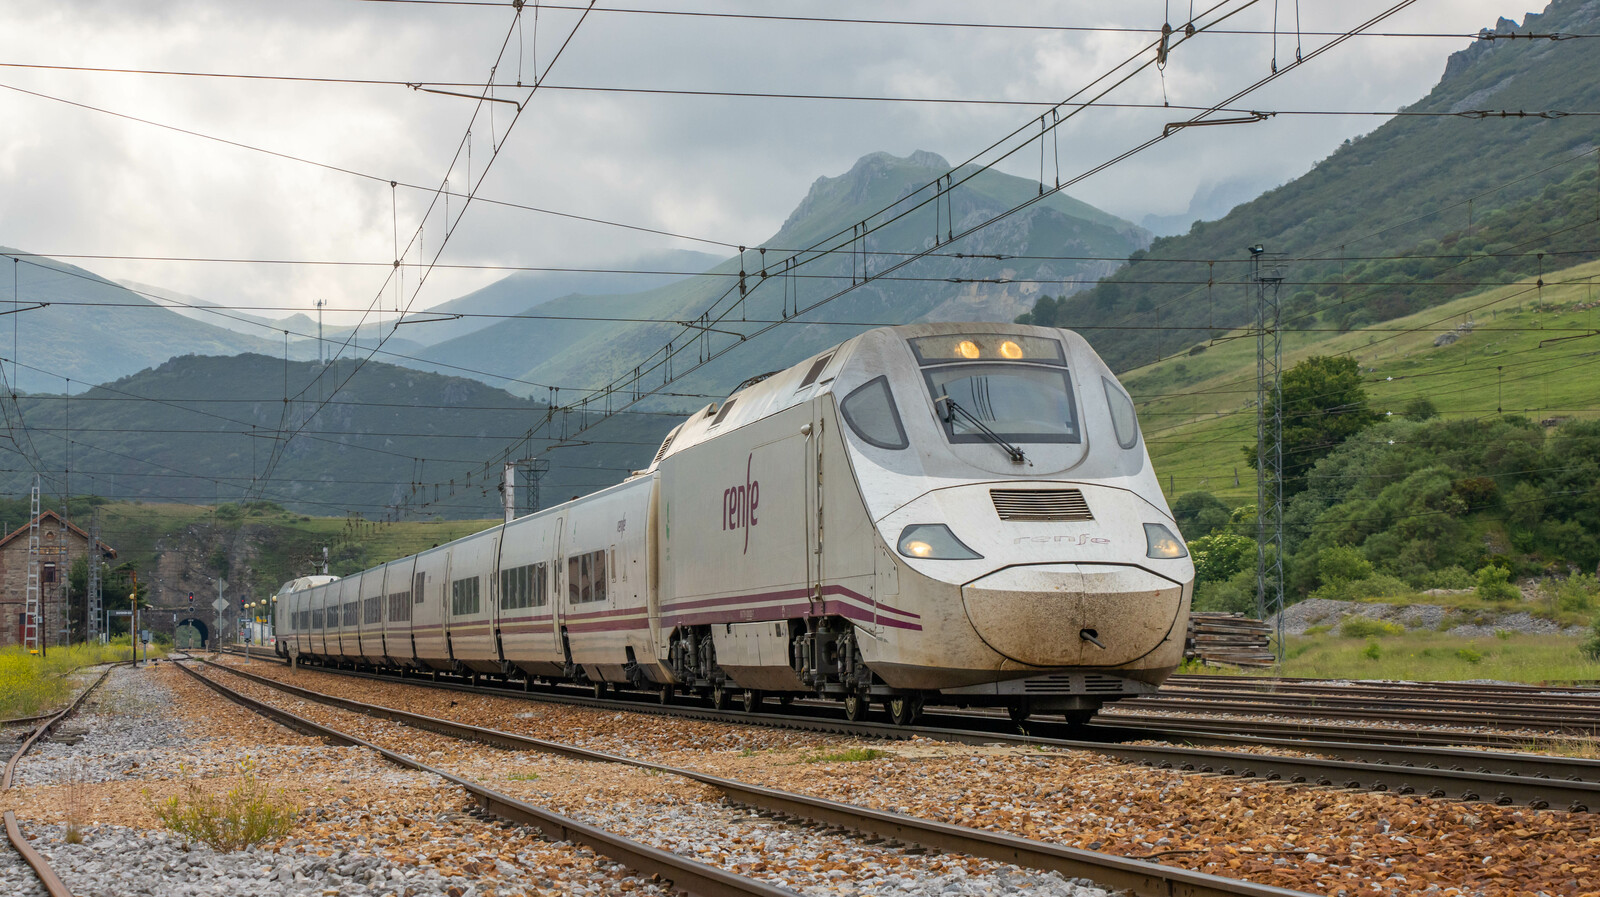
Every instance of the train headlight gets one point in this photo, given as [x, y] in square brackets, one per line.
[934, 541]
[1011, 350]
[1161, 543]
[968, 349]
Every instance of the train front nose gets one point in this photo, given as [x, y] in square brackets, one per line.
[1073, 614]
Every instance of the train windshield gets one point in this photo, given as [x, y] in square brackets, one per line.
[1014, 402]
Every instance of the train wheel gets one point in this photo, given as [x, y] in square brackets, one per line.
[750, 701]
[665, 694]
[599, 689]
[904, 709]
[1019, 713]
[785, 700]
[719, 698]
[855, 708]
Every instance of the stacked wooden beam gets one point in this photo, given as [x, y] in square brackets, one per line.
[1232, 639]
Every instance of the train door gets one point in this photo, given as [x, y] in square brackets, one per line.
[558, 594]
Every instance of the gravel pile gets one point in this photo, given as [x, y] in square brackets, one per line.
[1325, 612]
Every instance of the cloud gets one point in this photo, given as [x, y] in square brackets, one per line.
[75, 181]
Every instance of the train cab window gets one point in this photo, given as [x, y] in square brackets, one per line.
[872, 415]
[1123, 420]
[726, 407]
[1017, 403]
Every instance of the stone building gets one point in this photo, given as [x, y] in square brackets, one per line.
[59, 548]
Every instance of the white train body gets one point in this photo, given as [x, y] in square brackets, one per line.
[953, 513]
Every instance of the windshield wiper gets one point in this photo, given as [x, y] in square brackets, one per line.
[1016, 453]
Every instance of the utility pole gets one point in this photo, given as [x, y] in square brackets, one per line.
[133, 634]
[1268, 275]
[320, 304]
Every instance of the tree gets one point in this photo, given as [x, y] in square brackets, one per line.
[1199, 514]
[1323, 405]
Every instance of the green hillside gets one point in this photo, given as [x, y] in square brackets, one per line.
[1407, 186]
[1519, 356]
[201, 429]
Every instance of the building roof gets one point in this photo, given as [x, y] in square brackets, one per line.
[105, 549]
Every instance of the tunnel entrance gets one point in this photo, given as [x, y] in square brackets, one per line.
[191, 633]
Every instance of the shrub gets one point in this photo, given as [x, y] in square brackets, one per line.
[1591, 646]
[1494, 585]
[1575, 593]
[1341, 562]
[243, 816]
[1372, 651]
[1365, 627]
[1469, 655]
[1451, 577]
[1379, 585]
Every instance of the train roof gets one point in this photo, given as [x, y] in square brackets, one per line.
[767, 394]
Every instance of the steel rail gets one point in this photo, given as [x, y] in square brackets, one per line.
[1125, 726]
[1136, 876]
[1549, 723]
[688, 875]
[1533, 705]
[41, 867]
[1439, 776]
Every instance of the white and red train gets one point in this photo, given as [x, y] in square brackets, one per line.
[942, 513]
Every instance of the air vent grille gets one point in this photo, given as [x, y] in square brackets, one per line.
[666, 444]
[1040, 504]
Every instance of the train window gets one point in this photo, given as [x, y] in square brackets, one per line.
[1123, 420]
[316, 619]
[815, 370]
[599, 563]
[372, 611]
[613, 562]
[726, 407]
[400, 607]
[464, 597]
[573, 579]
[351, 613]
[871, 413]
[541, 585]
[1015, 402]
[416, 589]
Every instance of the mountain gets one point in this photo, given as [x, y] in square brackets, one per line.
[93, 330]
[1055, 246]
[1425, 187]
[202, 428]
[526, 290]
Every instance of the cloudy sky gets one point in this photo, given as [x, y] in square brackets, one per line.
[81, 181]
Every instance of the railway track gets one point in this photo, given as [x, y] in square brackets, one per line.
[1134, 876]
[47, 877]
[1533, 780]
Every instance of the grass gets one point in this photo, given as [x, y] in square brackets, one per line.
[1198, 410]
[244, 815]
[31, 685]
[1439, 656]
[848, 755]
[523, 777]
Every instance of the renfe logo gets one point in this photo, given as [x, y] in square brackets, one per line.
[739, 504]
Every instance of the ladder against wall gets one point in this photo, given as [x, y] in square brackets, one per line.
[32, 612]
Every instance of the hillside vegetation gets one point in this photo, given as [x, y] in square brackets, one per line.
[1416, 186]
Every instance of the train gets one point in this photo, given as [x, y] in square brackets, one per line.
[931, 514]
